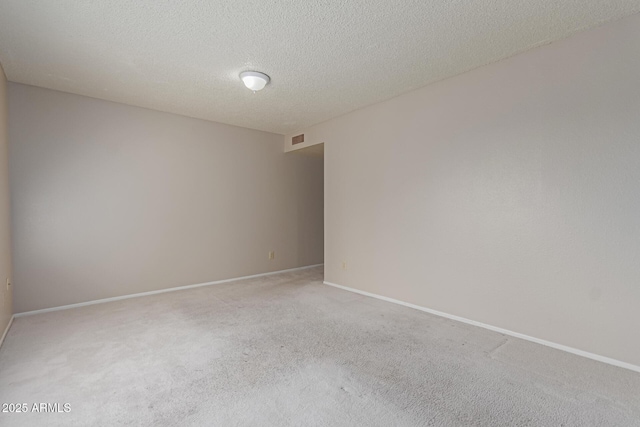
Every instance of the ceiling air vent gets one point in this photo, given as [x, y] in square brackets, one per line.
[297, 139]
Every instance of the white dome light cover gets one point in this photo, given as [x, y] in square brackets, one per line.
[254, 80]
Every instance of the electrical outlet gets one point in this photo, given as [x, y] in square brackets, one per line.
[344, 265]
[272, 254]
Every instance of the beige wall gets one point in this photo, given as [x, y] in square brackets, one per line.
[6, 309]
[509, 195]
[111, 200]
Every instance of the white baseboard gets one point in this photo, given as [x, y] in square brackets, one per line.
[582, 353]
[6, 330]
[159, 291]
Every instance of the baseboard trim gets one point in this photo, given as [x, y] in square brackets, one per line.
[159, 291]
[6, 330]
[568, 349]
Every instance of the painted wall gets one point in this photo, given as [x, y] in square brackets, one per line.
[509, 195]
[6, 309]
[111, 200]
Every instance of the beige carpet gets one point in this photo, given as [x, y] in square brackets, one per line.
[286, 350]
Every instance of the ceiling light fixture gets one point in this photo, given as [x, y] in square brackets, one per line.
[254, 80]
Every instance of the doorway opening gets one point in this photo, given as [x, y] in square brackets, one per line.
[310, 203]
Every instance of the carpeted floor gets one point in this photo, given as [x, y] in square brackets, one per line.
[287, 350]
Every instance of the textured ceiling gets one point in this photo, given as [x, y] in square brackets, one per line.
[325, 57]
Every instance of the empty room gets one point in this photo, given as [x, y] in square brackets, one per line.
[320, 213]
